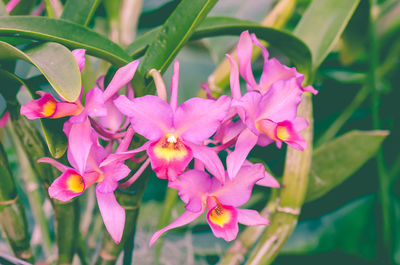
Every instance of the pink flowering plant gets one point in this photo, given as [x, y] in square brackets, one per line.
[103, 145]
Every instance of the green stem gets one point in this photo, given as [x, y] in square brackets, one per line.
[293, 191]
[239, 248]
[33, 192]
[383, 178]
[331, 132]
[12, 214]
[49, 8]
[169, 202]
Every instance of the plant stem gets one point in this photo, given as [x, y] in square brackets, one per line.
[331, 132]
[170, 199]
[12, 214]
[33, 192]
[293, 191]
[383, 178]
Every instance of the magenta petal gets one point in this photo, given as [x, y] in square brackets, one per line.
[251, 217]
[268, 181]
[4, 120]
[197, 119]
[79, 144]
[280, 102]
[43, 107]
[120, 79]
[64, 109]
[248, 108]
[150, 116]
[60, 189]
[184, 219]
[229, 230]
[234, 77]
[79, 55]
[112, 213]
[244, 53]
[166, 162]
[54, 163]
[210, 160]
[245, 142]
[237, 191]
[94, 103]
[192, 187]
[11, 5]
[114, 118]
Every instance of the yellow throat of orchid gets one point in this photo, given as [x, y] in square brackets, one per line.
[170, 147]
[49, 108]
[75, 183]
[220, 215]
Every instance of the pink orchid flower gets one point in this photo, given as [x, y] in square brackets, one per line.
[49, 107]
[176, 134]
[86, 170]
[199, 191]
[273, 70]
[4, 119]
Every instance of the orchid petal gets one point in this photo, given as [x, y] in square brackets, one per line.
[79, 144]
[280, 102]
[94, 103]
[244, 53]
[192, 187]
[228, 230]
[234, 77]
[79, 55]
[54, 163]
[122, 156]
[210, 159]
[197, 119]
[67, 186]
[182, 220]
[247, 108]
[43, 107]
[11, 5]
[245, 142]
[237, 191]
[4, 120]
[268, 181]
[251, 217]
[120, 79]
[112, 213]
[150, 116]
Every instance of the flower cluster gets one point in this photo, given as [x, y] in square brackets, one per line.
[198, 129]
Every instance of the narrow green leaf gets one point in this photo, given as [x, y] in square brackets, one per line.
[175, 32]
[24, 7]
[348, 229]
[337, 160]
[3, 11]
[322, 24]
[287, 43]
[55, 62]
[69, 34]
[79, 11]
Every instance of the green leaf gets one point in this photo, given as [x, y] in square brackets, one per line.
[338, 159]
[69, 34]
[3, 11]
[24, 7]
[175, 32]
[349, 229]
[322, 24]
[287, 43]
[79, 11]
[52, 128]
[55, 62]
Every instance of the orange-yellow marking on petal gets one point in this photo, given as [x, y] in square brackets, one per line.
[220, 215]
[49, 108]
[75, 183]
[282, 132]
[170, 147]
